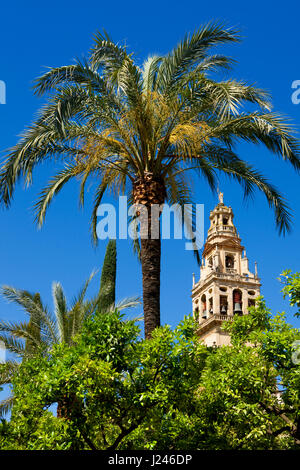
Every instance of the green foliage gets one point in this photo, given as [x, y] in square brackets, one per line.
[292, 288]
[246, 327]
[118, 380]
[169, 392]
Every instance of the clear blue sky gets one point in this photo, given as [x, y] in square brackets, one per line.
[36, 34]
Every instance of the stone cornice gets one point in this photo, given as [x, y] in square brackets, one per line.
[229, 243]
[226, 279]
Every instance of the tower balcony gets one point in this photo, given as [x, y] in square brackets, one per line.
[213, 320]
[222, 231]
[222, 228]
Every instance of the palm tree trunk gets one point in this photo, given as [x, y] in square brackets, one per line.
[148, 191]
[150, 257]
[61, 409]
[68, 407]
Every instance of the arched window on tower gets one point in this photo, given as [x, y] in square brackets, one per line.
[196, 314]
[229, 261]
[203, 306]
[210, 306]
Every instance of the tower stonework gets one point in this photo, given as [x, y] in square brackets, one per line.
[226, 286]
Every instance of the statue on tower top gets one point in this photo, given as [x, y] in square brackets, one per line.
[221, 195]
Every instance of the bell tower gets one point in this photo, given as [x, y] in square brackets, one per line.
[226, 286]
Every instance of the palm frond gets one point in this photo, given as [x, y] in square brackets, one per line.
[7, 371]
[226, 98]
[107, 54]
[190, 51]
[79, 298]
[79, 73]
[97, 200]
[6, 405]
[250, 179]
[270, 129]
[52, 189]
[129, 302]
[60, 310]
[37, 312]
[149, 74]
[13, 345]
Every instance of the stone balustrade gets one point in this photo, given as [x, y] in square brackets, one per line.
[215, 317]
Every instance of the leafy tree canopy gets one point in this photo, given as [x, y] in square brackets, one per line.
[169, 392]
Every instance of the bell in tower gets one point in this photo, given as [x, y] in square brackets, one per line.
[237, 302]
[226, 286]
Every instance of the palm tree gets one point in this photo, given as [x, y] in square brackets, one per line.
[43, 330]
[140, 129]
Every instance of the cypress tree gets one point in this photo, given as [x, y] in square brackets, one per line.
[108, 277]
[34, 328]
